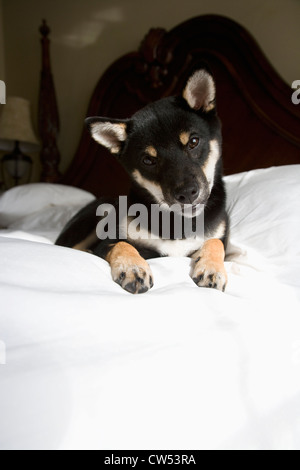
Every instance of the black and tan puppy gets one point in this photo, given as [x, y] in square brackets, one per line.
[172, 150]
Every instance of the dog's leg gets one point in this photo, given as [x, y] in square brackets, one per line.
[209, 269]
[129, 269]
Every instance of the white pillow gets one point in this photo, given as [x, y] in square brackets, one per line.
[50, 218]
[264, 210]
[32, 198]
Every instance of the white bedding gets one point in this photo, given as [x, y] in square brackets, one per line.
[89, 366]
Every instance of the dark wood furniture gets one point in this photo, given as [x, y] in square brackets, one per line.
[48, 117]
[261, 125]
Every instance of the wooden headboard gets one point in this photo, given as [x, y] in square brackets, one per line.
[261, 125]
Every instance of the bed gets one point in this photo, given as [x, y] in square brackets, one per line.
[85, 365]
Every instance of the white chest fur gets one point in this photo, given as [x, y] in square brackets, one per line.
[175, 248]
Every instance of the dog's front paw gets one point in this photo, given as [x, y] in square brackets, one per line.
[134, 279]
[129, 269]
[209, 270]
[209, 275]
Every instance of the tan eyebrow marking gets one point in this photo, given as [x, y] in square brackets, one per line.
[151, 151]
[184, 138]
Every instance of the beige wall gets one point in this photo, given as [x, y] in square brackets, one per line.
[2, 62]
[88, 35]
[2, 65]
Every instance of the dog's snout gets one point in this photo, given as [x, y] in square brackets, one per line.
[187, 194]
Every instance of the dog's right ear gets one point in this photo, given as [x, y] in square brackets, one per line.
[200, 91]
[110, 133]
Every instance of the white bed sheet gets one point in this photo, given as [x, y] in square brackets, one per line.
[89, 366]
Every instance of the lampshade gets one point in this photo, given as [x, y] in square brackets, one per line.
[15, 125]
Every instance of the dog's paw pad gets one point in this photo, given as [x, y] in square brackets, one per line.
[121, 278]
[210, 276]
[134, 279]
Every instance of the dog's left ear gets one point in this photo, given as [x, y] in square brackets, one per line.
[110, 133]
[200, 91]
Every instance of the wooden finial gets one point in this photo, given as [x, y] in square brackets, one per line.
[48, 114]
[44, 29]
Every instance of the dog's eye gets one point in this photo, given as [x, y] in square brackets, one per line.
[149, 161]
[193, 143]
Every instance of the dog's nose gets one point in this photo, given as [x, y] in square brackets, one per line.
[187, 194]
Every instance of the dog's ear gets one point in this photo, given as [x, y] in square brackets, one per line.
[110, 133]
[200, 91]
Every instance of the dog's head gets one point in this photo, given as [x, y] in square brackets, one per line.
[171, 147]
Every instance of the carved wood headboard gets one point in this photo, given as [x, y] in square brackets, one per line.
[261, 125]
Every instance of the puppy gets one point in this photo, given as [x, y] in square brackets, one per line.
[172, 151]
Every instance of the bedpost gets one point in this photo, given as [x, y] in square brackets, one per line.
[48, 118]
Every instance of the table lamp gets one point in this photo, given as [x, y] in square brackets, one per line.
[16, 136]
